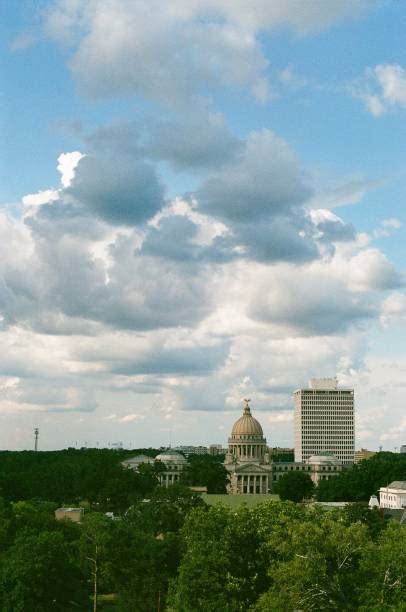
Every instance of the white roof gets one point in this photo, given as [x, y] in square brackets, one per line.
[396, 484]
[171, 456]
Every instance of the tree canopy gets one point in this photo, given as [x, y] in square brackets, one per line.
[364, 479]
[295, 486]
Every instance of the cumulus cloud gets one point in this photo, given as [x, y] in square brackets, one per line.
[314, 302]
[195, 140]
[41, 197]
[382, 88]
[67, 163]
[394, 309]
[122, 47]
[370, 270]
[120, 191]
[265, 181]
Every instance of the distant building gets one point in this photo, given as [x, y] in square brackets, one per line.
[216, 449]
[403, 448]
[174, 464]
[323, 467]
[192, 450]
[70, 514]
[134, 462]
[279, 453]
[324, 421]
[394, 495]
[362, 454]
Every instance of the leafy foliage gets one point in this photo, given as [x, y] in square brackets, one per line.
[69, 476]
[207, 471]
[295, 486]
[40, 574]
[363, 479]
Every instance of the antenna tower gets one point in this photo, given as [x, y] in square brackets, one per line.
[36, 434]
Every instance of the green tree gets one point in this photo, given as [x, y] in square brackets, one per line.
[165, 510]
[95, 547]
[363, 479]
[315, 565]
[295, 486]
[382, 584]
[142, 565]
[200, 584]
[207, 471]
[39, 574]
[371, 517]
[225, 563]
[7, 526]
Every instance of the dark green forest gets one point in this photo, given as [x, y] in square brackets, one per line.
[167, 550]
[364, 478]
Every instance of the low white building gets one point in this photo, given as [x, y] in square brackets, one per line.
[324, 467]
[134, 462]
[394, 495]
[174, 464]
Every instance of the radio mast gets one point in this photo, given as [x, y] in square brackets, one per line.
[36, 434]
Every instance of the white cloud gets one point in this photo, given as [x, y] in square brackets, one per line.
[370, 270]
[41, 197]
[123, 47]
[394, 309]
[387, 228]
[382, 88]
[67, 163]
[128, 418]
[349, 191]
[281, 417]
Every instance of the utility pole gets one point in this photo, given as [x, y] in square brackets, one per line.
[36, 434]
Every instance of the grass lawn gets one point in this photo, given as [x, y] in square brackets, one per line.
[236, 500]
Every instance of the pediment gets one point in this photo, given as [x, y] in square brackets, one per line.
[251, 468]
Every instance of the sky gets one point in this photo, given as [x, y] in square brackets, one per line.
[200, 201]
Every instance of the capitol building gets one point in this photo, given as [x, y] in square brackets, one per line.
[250, 468]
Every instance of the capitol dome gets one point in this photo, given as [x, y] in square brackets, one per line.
[247, 442]
[247, 425]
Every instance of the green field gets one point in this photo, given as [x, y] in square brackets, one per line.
[236, 500]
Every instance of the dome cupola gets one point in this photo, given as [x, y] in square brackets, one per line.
[247, 425]
[247, 442]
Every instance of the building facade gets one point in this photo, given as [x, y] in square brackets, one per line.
[394, 495]
[324, 421]
[362, 454]
[173, 464]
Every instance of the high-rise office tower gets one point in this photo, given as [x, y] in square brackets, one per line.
[324, 421]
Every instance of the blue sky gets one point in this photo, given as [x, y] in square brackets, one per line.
[234, 222]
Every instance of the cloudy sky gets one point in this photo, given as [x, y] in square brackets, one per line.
[201, 200]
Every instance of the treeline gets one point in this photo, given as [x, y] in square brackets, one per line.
[364, 479]
[70, 476]
[174, 553]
